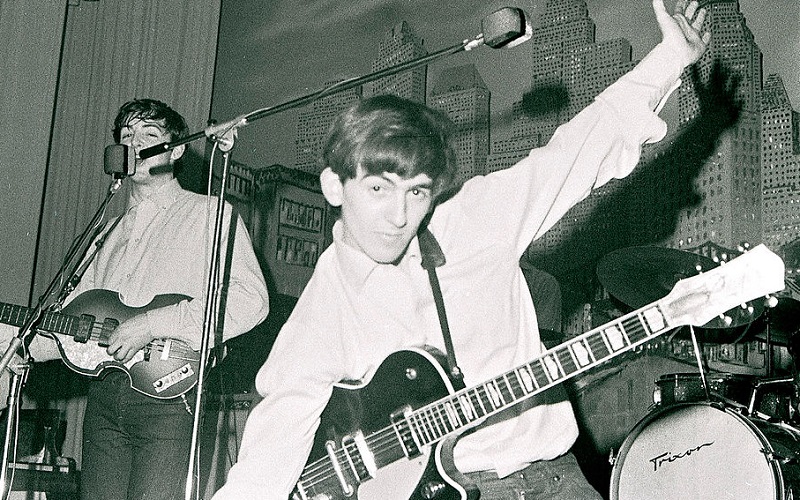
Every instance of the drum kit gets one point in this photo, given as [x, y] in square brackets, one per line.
[710, 435]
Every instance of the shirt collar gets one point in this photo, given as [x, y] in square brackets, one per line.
[163, 197]
[357, 267]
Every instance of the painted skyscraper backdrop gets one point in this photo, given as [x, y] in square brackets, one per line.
[726, 173]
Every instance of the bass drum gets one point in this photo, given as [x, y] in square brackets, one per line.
[704, 450]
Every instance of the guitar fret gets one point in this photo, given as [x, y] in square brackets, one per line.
[460, 417]
[527, 379]
[433, 424]
[550, 367]
[477, 396]
[566, 361]
[511, 386]
[450, 412]
[615, 337]
[582, 353]
[600, 347]
[417, 430]
[468, 410]
[654, 319]
[505, 391]
[495, 397]
[539, 375]
[637, 328]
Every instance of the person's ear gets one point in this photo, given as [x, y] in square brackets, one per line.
[176, 153]
[332, 187]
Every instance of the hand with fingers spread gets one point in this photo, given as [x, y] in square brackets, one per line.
[683, 30]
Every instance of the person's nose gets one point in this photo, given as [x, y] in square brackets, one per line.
[136, 142]
[398, 211]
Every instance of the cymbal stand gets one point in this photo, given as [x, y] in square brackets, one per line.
[19, 374]
[700, 365]
[768, 330]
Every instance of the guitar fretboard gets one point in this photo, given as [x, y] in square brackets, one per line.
[15, 315]
[433, 422]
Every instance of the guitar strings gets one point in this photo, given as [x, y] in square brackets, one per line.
[385, 439]
[177, 350]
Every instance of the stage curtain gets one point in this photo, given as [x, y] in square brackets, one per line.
[113, 51]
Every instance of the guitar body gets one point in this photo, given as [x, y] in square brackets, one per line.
[164, 369]
[411, 378]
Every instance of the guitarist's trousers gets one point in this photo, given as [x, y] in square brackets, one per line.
[558, 479]
[134, 447]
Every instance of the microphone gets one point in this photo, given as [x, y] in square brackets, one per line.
[506, 27]
[119, 161]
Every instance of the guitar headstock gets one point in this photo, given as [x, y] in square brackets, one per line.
[699, 299]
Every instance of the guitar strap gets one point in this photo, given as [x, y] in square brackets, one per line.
[433, 257]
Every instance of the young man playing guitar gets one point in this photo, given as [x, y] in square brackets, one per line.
[388, 166]
[151, 274]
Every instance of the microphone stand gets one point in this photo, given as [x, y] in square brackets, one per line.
[214, 131]
[34, 317]
[225, 143]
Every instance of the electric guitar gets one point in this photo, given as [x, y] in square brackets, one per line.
[163, 369]
[361, 451]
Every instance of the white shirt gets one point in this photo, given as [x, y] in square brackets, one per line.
[162, 245]
[355, 312]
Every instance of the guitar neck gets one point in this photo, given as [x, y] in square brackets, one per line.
[51, 322]
[437, 420]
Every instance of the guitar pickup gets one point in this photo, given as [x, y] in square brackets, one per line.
[84, 331]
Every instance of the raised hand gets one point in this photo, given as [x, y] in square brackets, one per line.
[683, 29]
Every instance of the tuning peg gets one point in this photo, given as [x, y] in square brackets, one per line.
[748, 308]
[726, 319]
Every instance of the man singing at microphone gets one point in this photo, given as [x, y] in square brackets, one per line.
[389, 168]
[137, 447]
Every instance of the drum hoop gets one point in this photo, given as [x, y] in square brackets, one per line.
[768, 449]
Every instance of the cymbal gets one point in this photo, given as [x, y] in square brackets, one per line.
[783, 321]
[638, 276]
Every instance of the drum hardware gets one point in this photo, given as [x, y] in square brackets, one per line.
[698, 354]
[751, 408]
[774, 457]
[704, 450]
[710, 434]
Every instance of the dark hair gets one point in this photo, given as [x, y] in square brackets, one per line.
[150, 109]
[390, 134]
